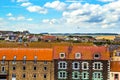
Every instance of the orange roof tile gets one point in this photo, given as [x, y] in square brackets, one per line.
[42, 54]
[87, 52]
[115, 66]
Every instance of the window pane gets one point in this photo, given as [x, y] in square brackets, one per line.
[116, 76]
[24, 67]
[63, 65]
[85, 75]
[45, 76]
[13, 75]
[3, 68]
[23, 75]
[99, 75]
[45, 68]
[34, 67]
[76, 65]
[60, 74]
[99, 66]
[14, 68]
[34, 75]
[63, 74]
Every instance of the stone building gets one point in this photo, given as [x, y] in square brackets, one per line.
[26, 64]
[81, 63]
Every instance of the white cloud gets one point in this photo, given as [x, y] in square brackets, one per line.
[74, 6]
[37, 9]
[50, 21]
[29, 19]
[1, 19]
[26, 4]
[22, 0]
[45, 20]
[107, 0]
[12, 0]
[88, 17]
[74, 1]
[20, 18]
[12, 18]
[56, 5]
[9, 14]
[97, 16]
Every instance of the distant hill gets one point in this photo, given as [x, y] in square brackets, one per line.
[92, 34]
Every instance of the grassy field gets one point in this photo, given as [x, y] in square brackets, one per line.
[106, 37]
[39, 44]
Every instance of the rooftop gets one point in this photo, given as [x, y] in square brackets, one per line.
[115, 66]
[30, 53]
[87, 52]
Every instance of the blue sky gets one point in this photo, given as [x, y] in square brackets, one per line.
[62, 16]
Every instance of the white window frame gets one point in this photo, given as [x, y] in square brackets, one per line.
[73, 65]
[74, 73]
[13, 75]
[83, 63]
[45, 62]
[35, 59]
[63, 73]
[85, 75]
[96, 76]
[76, 55]
[3, 60]
[61, 56]
[14, 60]
[2, 68]
[97, 63]
[24, 59]
[98, 56]
[62, 65]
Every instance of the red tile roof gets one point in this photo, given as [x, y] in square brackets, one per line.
[42, 54]
[87, 52]
[49, 37]
[115, 66]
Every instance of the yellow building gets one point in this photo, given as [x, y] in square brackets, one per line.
[116, 55]
[115, 66]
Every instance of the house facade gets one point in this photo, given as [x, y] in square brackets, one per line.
[115, 70]
[115, 65]
[26, 64]
[81, 63]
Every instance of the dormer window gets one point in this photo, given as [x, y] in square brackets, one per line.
[14, 60]
[35, 59]
[62, 55]
[3, 59]
[77, 55]
[24, 60]
[97, 56]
